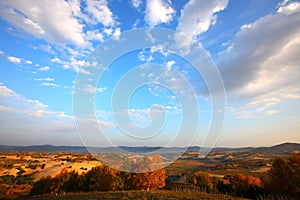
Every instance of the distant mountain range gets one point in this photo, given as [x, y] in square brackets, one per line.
[280, 148]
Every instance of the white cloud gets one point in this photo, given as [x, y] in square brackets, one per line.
[117, 34]
[170, 64]
[54, 85]
[264, 55]
[46, 68]
[289, 8]
[143, 56]
[10, 98]
[158, 11]
[91, 89]
[14, 59]
[44, 79]
[6, 92]
[161, 49]
[197, 16]
[263, 105]
[99, 12]
[14, 102]
[136, 3]
[94, 35]
[53, 20]
[1, 53]
[56, 60]
[108, 31]
[28, 62]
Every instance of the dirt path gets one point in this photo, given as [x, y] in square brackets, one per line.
[51, 171]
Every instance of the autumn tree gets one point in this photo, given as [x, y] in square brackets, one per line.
[284, 176]
[144, 175]
[201, 180]
[294, 181]
[103, 178]
[241, 185]
[149, 180]
[246, 186]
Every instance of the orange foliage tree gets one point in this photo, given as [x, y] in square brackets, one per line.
[202, 180]
[144, 176]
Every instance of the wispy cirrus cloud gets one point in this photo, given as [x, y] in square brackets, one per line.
[44, 79]
[19, 114]
[54, 85]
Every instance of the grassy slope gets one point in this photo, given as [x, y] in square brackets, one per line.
[143, 195]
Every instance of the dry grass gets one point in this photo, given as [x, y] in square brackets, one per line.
[234, 172]
[141, 195]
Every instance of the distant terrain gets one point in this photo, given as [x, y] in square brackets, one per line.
[280, 148]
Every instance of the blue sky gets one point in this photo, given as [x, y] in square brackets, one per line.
[255, 44]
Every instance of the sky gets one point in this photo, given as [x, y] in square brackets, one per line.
[46, 46]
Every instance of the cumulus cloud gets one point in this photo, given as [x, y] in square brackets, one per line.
[158, 11]
[51, 20]
[14, 59]
[99, 12]
[117, 33]
[69, 28]
[170, 64]
[94, 35]
[264, 55]
[197, 16]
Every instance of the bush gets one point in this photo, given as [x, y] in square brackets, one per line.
[43, 186]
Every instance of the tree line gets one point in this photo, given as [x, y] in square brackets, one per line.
[104, 178]
[283, 180]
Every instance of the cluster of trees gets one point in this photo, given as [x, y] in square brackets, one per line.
[284, 176]
[241, 185]
[283, 180]
[238, 185]
[104, 178]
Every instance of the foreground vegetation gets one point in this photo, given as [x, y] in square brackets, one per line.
[282, 180]
[141, 195]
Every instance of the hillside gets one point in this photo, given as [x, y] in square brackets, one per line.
[280, 148]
